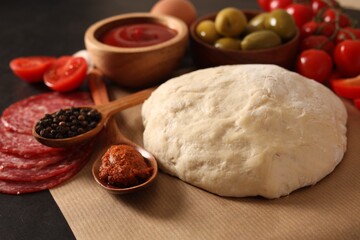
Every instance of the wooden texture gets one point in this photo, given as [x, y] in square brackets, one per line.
[137, 67]
[113, 135]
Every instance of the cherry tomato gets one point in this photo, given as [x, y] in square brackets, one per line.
[317, 5]
[276, 4]
[347, 88]
[31, 69]
[314, 64]
[300, 12]
[264, 4]
[66, 74]
[326, 29]
[347, 33]
[337, 17]
[317, 42]
[308, 29]
[347, 57]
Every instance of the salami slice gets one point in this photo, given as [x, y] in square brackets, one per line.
[71, 160]
[15, 187]
[21, 116]
[11, 161]
[23, 145]
[25, 164]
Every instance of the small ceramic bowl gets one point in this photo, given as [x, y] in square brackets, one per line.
[206, 55]
[137, 67]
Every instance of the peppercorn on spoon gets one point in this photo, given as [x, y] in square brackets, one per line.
[106, 111]
[114, 136]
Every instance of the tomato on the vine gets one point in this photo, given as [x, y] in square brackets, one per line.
[279, 4]
[66, 74]
[308, 29]
[318, 5]
[264, 4]
[347, 34]
[269, 5]
[314, 64]
[337, 17]
[317, 42]
[300, 12]
[31, 69]
[318, 28]
[347, 57]
[326, 29]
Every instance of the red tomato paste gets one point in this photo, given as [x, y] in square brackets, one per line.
[124, 166]
[137, 35]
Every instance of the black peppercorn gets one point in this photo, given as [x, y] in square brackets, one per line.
[68, 122]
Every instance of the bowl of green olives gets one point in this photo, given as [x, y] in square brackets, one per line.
[234, 36]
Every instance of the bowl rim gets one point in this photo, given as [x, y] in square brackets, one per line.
[245, 11]
[168, 21]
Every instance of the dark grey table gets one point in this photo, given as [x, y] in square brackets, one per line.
[45, 27]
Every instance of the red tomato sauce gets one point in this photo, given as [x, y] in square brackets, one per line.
[124, 166]
[137, 35]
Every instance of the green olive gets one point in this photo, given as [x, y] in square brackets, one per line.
[248, 29]
[258, 21]
[206, 31]
[261, 39]
[282, 23]
[230, 22]
[228, 43]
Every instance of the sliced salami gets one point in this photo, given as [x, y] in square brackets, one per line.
[12, 161]
[15, 187]
[21, 116]
[71, 160]
[23, 145]
[25, 164]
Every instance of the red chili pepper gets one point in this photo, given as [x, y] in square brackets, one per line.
[347, 88]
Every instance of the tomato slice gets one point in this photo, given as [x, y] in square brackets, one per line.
[67, 73]
[31, 69]
[347, 88]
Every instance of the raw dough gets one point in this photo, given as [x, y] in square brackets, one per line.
[245, 130]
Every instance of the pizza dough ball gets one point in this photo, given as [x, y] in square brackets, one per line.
[245, 130]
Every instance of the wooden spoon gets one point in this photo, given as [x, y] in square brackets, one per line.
[114, 136]
[106, 110]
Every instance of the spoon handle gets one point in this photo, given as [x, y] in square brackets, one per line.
[125, 102]
[100, 96]
[97, 87]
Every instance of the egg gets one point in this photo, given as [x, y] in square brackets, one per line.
[182, 9]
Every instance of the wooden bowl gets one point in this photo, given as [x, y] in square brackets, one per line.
[137, 67]
[206, 55]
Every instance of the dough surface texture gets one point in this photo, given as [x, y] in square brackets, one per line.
[245, 130]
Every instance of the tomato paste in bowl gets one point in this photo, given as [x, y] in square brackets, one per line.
[137, 50]
[137, 35]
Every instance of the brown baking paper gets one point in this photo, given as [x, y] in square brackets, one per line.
[172, 209]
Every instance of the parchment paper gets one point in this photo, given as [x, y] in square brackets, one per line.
[172, 209]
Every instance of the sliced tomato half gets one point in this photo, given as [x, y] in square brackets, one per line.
[31, 69]
[67, 73]
[347, 88]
